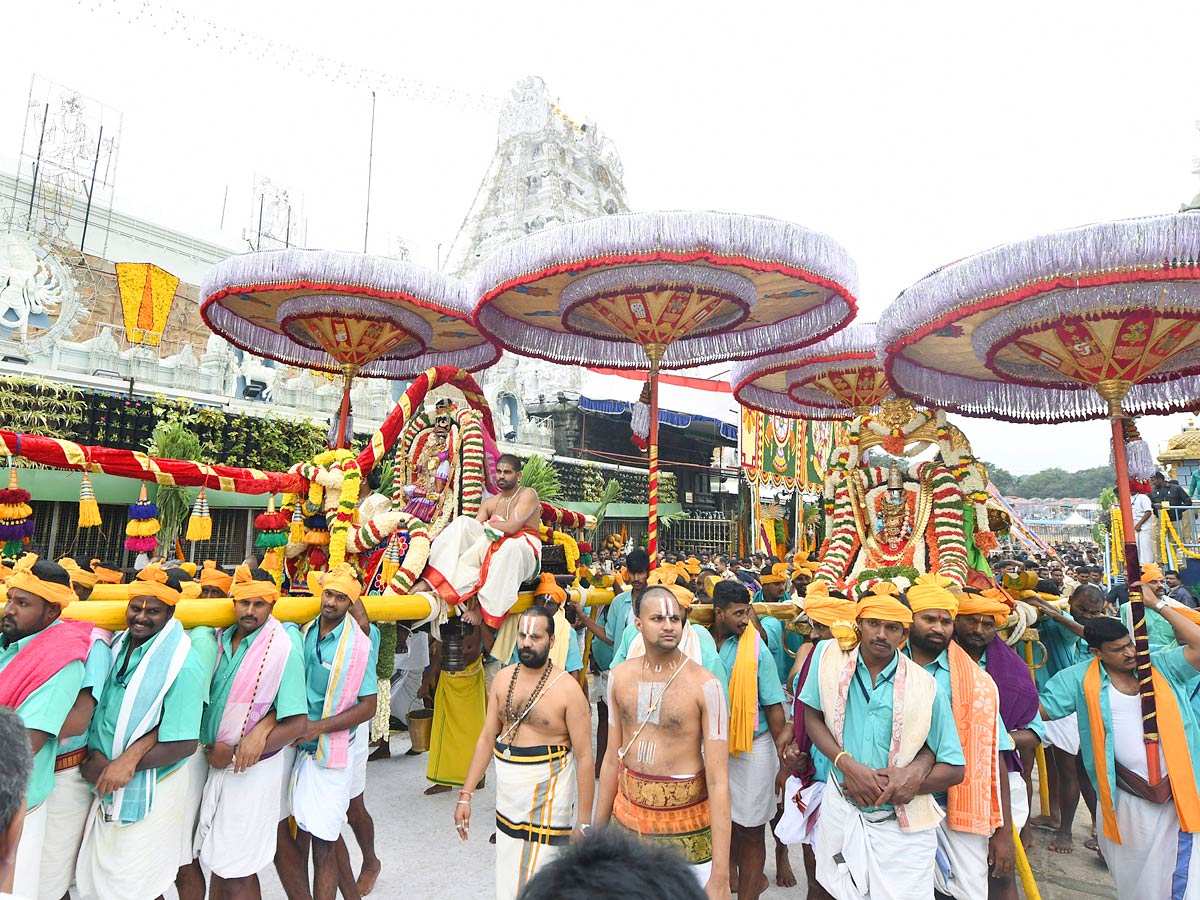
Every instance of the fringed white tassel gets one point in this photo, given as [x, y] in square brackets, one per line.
[639, 421]
[1139, 459]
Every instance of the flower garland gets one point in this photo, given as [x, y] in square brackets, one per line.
[16, 515]
[1117, 550]
[570, 548]
[1168, 529]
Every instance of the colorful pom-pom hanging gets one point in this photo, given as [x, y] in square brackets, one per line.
[199, 526]
[316, 530]
[272, 527]
[296, 533]
[89, 509]
[142, 528]
[16, 516]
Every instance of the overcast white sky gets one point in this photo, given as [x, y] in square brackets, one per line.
[913, 133]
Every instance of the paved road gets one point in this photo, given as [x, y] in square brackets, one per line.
[424, 860]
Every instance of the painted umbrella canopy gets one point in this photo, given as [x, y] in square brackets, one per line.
[665, 290]
[839, 378]
[1028, 331]
[329, 309]
[1093, 322]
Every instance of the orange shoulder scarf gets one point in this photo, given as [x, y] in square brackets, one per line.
[974, 804]
[1174, 746]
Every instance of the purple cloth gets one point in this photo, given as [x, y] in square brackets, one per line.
[807, 771]
[1018, 693]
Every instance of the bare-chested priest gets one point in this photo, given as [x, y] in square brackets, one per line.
[539, 731]
[665, 776]
[489, 556]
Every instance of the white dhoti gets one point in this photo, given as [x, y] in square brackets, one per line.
[360, 749]
[197, 769]
[1018, 800]
[1147, 541]
[962, 867]
[138, 861]
[798, 824]
[320, 796]
[1155, 859]
[536, 794]
[27, 871]
[67, 810]
[865, 856]
[1064, 733]
[464, 562]
[409, 671]
[235, 831]
[285, 786]
[752, 783]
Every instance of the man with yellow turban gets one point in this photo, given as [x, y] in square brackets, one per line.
[82, 580]
[831, 617]
[70, 801]
[41, 675]
[1148, 801]
[257, 706]
[341, 688]
[890, 734]
[979, 615]
[974, 838]
[214, 583]
[774, 589]
[757, 732]
[144, 729]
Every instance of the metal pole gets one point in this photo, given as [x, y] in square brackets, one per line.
[224, 203]
[37, 165]
[91, 190]
[258, 243]
[370, 166]
[287, 235]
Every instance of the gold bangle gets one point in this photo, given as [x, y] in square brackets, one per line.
[837, 759]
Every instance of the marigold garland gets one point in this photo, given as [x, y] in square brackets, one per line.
[570, 549]
[1168, 528]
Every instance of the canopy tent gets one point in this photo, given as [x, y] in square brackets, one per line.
[613, 392]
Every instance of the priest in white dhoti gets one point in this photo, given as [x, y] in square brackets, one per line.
[1149, 820]
[486, 559]
[259, 671]
[872, 710]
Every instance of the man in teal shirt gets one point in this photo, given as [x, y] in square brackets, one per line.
[867, 782]
[341, 696]
[145, 727]
[235, 836]
[752, 771]
[1147, 847]
[38, 649]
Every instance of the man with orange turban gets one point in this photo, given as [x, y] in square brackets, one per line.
[975, 838]
[82, 580]
[214, 583]
[143, 731]
[774, 589]
[41, 674]
[979, 615]
[890, 734]
[257, 706]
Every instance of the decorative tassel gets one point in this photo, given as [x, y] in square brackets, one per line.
[296, 534]
[200, 524]
[16, 516]
[1137, 455]
[273, 527]
[391, 560]
[143, 525]
[89, 509]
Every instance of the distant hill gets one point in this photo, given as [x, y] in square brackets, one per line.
[1052, 483]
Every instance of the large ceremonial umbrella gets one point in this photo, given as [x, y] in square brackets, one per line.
[839, 378]
[1099, 321]
[343, 312]
[664, 290]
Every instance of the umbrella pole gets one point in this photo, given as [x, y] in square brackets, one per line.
[349, 370]
[655, 352]
[1114, 393]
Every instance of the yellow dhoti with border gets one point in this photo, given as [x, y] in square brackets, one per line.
[459, 710]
